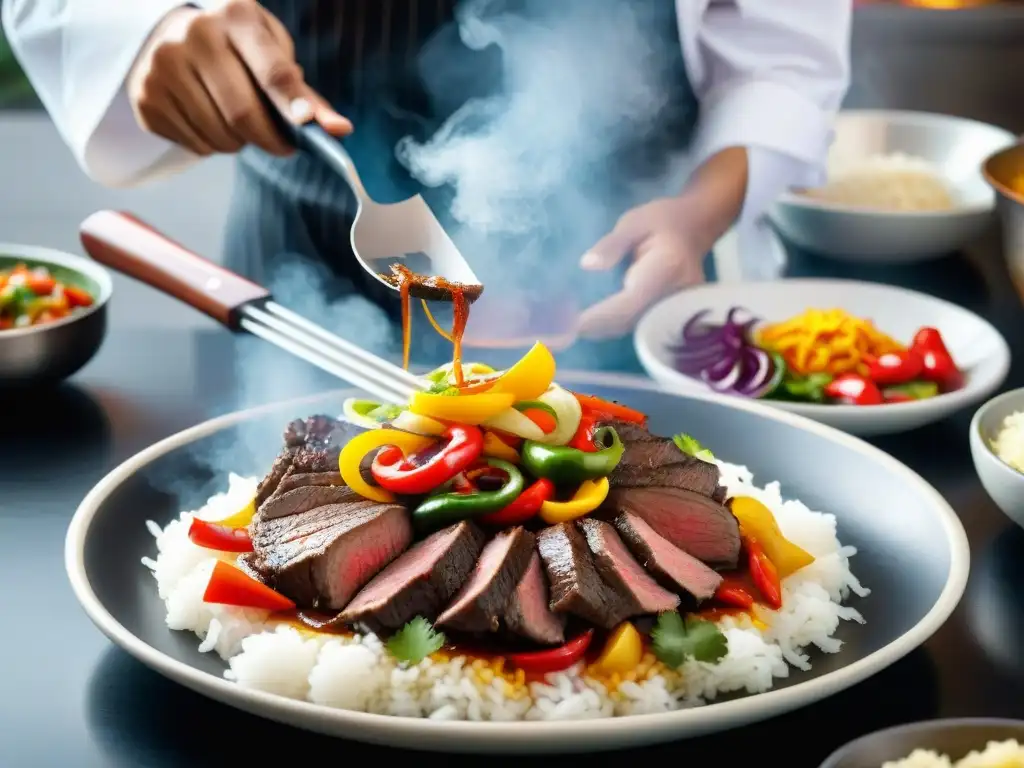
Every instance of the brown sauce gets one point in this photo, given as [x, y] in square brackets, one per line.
[410, 284]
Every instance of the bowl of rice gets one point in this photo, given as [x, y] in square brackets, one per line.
[1004, 171]
[960, 743]
[997, 447]
[900, 187]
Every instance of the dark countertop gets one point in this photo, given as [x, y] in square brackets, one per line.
[70, 698]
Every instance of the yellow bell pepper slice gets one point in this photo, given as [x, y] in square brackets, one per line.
[757, 522]
[588, 497]
[462, 409]
[496, 448]
[623, 650]
[241, 518]
[352, 455]
[529, 378]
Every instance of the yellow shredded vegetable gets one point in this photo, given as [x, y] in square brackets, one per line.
[826, 341]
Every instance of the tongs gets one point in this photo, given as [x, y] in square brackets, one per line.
[386, 234]
[126, 244]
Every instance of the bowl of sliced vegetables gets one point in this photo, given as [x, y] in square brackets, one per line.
[52, 314]
[864, 357]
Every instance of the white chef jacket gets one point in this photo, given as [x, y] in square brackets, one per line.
[770, 76]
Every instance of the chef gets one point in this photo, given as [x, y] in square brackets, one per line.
[745, 91]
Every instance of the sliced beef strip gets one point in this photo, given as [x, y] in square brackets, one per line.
[420, 582]
[293, 480]
[326, 567]
[528, 614]
[641, 594]
[695, 523]
[670, 566]
[268, 534]
[652, 461]
[576, 587]
[311, 445]
[480, 604]
[305, 498]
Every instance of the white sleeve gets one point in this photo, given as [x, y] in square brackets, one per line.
[770, 76]
[77, 54]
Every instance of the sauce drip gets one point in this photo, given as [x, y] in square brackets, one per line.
[461, 297]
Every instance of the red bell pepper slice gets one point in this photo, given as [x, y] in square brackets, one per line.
[219, 537]
[764, 574]
[583, 440]
[895, 368]
[525, 507]
[230, 586]
[601, 407]
[555, 659]
[937, 362]
[397, 473]
[852, 389]
[733, 594]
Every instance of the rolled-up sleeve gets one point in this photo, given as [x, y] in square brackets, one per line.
[77, 54]
[770, 76]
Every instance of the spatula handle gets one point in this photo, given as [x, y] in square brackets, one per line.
[126, 244]
[312, 138]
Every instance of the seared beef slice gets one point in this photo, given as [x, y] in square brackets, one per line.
[480, 604]
[528, 613]
[576, 587]
[420, 582]
[312, 445]
[653, 461]
[322, 557]
[694, 523]
[673, 568]
[640, 593]
[304, 498]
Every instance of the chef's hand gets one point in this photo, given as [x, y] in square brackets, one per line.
[667, 248]
[191, 83]
[667, 240]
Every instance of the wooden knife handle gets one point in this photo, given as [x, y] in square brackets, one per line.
[126, 244]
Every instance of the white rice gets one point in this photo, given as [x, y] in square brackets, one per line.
[1009, 441]
[357, 673]
[997, 754]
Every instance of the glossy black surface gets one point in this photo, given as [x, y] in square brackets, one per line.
[71, 698]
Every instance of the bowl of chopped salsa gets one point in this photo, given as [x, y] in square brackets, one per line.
[52, 314]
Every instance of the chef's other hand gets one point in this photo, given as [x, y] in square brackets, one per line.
[192, 82]
[667, 241]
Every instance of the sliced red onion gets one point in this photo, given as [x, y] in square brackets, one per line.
[758, 371]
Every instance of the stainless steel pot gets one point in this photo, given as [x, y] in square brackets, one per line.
[47, 354]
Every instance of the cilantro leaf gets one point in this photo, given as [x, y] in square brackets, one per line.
[415, 641]
[691, 447]
[675, 640]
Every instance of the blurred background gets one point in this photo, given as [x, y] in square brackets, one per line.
[960, 57]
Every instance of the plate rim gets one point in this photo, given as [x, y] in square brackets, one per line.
[952, 401]
[523, 736]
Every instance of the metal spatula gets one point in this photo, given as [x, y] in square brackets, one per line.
[383, 234]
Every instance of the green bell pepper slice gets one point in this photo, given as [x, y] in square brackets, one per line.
[564, 465]
[450, 508]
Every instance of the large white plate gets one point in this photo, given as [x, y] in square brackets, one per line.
[107, 538]
[978, 348]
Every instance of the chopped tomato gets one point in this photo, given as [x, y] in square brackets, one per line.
[77, 297]
[230, 586]
[219, 537]
[40, 285]
[601, 407]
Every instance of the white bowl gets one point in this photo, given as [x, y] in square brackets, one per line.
[1002, 482]
[955, 146]
[978, 348]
